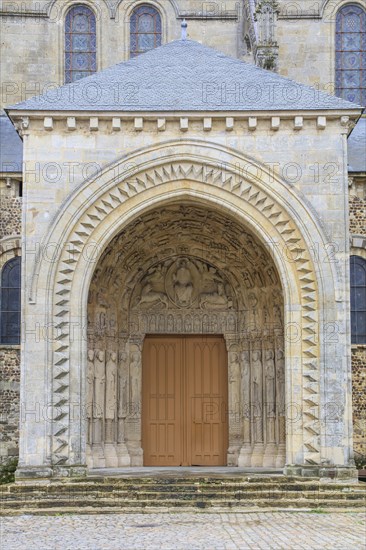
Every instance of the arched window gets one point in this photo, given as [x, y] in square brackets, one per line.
[80, 43]
[358, 300]
[10, 302]
[350, 74]
[145, 30]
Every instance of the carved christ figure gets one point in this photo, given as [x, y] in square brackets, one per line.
[182, 283]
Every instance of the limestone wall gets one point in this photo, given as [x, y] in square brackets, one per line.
[38, 61]
[305, 36]
[9, 401]
[59, 160]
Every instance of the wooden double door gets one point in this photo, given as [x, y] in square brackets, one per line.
[184, 401]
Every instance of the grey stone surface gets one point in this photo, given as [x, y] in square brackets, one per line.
[191, 531]
[357, 148]
[11, 147]
[184, 75]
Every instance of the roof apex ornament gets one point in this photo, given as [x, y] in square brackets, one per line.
[184, 29]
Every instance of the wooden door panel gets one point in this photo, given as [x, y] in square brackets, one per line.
[161, 402]
[207, 401]
[184, 397]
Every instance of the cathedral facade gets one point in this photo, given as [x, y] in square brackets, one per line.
[183, 238]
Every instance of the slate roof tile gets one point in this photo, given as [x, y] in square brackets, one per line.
[184, 75]
[11, 147]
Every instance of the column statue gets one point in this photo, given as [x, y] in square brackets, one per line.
[270, 393]
[99, 393]
[90, 394]
[122, 410]
[281, 408]
[257, 404]
[245, 392]
[111, 395]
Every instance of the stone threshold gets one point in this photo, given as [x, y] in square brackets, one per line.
[182, 471]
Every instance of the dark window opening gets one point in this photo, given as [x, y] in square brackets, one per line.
[10, 302]
[358, 300]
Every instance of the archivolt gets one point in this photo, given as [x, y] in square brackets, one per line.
[155, 176]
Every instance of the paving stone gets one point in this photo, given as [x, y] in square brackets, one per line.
[191, 531]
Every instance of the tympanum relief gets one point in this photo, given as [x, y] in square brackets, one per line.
[186, 270]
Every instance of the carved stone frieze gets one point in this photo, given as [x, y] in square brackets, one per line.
[182, 282]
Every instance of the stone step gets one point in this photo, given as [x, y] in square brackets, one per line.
[207, 485]
[175, 492]
[171, 479]
[108, 504]
[95, 510]
[179, 493]
[123, 496]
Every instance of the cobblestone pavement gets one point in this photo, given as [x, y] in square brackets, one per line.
[181, 531]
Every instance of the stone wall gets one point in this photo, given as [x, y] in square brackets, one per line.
[9, 401]
[10, 225]
[359, 397]
[357, 212]
[10, 216]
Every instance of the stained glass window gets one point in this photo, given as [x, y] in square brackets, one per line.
[80, 43]
[145, 30]
[358, 300]
[351, 54]
[10, 302]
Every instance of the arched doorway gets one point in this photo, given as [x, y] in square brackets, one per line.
[185, 272]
